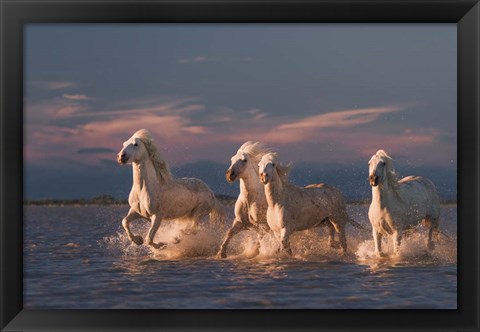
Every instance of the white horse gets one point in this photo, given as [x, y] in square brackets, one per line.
[155, 195]
[398, 205]
[251, 205]
[292, 208]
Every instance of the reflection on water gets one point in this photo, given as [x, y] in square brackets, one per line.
[79, 257]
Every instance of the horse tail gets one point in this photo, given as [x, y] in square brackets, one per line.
[217, 214]
[358, 225]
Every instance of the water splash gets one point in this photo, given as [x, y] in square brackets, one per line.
[413, 250]
[311, 245]
[181, 241]
[202, 241]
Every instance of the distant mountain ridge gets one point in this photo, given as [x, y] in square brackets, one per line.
[81, 181]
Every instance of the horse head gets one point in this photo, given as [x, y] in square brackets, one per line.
[377, 167]
[134, 149]
[266, 167]
[239, 163]
[248, 154]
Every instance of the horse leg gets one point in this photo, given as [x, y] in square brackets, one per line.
[285, 241]
[131, 215]
[340, 229]
[343, 239]
[430, 244]
[261, 232]
[196, 216]
[377, 239]
[397, 239]
[236, 228]
[155, 223]
[331, 236]
[433, 227]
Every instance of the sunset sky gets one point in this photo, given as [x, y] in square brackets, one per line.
[320, 93]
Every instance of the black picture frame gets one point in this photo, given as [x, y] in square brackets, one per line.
[15, 13]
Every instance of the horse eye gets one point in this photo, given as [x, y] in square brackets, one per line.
[244, 160]
[383, 163]
[273, 164]
[135, 144]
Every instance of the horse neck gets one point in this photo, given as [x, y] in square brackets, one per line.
[250, 184]
[144, 174]
[383, 193]
[274, 189]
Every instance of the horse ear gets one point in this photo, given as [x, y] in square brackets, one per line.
[289, 168]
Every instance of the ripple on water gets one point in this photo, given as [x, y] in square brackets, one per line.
[80, 258]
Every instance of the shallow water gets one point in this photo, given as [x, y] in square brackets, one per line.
[79, 257]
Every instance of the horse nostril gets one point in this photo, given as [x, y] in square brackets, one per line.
[121, 157]
[230, 175]
[373, 180]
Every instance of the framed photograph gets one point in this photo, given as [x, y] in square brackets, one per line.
[164, 161]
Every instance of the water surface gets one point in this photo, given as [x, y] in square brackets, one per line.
[78, 257]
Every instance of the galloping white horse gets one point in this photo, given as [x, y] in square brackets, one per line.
[292, 208]
[155, 195]
[398, 205]
[251, 205]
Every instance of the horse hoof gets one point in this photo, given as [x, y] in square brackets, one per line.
[137, 240]
[381, 255]
[221, 255]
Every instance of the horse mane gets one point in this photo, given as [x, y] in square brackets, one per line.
[164, 174]
[255, 150]
[392, 176]
[282, 170]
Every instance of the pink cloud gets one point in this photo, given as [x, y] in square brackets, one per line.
[195, 129]
[56, 108]
[44, 142]
[308, 127]
[166, 107]
[329, 137]
[77, 97]
[400, 141]
[168, 120]
[69, 110]
[163, 126]
[53, 85]
[277, 131]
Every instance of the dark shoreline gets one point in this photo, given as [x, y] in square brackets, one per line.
[109, 200]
